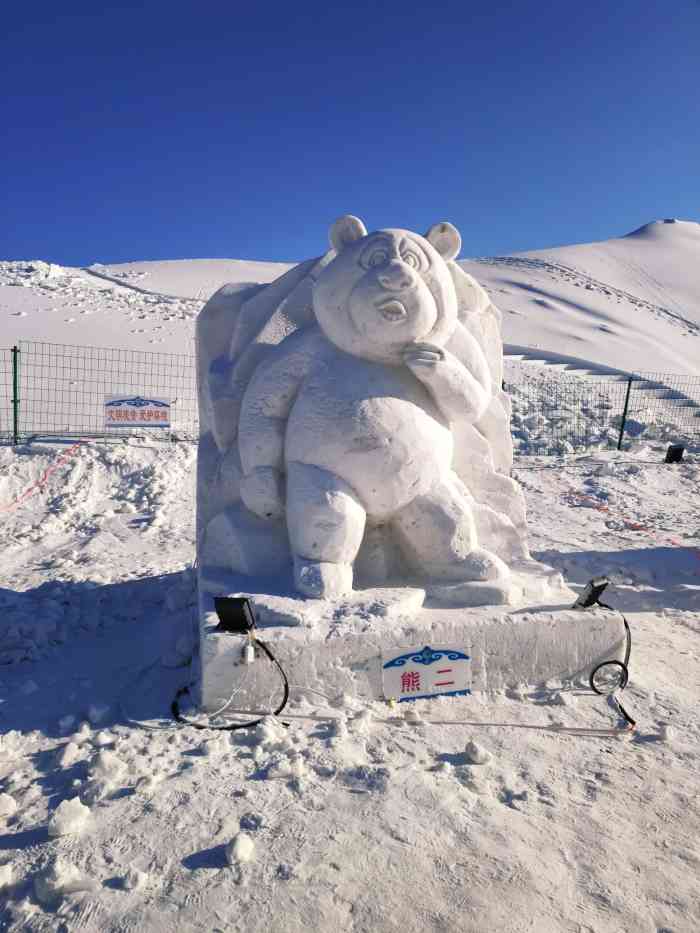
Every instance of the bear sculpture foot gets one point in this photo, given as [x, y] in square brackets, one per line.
[481, 579]
[478, 566]
[321, 579]
[472, 594]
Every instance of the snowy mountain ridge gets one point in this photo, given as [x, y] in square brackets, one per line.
[631, 303]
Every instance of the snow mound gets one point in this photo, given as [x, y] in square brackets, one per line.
[6, 876]
[240, 849]
[69, 817]
[60, 878]
[8, 806]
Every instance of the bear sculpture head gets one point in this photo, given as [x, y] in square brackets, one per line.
[387, 290]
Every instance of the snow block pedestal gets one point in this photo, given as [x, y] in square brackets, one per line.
[353, 479]
[335, 646]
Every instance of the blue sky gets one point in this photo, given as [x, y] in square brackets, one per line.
[177, 130]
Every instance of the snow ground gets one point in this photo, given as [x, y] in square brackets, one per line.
[361, 818]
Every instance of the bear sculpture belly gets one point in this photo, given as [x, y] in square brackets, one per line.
[373, 425]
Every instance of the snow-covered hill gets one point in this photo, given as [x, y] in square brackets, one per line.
[630, 303]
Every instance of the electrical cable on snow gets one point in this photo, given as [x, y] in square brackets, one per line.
[175, 705]
[623, 665]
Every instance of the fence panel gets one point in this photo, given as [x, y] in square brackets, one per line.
[6, 395]
[555, 412]
[669, 402]
[63, 389]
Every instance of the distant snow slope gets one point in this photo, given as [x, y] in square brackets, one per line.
[632, 303]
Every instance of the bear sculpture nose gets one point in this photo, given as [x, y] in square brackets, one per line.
[395, 276]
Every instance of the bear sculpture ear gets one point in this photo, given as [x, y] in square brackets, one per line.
[345, 231]
[446, 240]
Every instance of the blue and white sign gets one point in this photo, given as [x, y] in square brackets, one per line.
[420, 673]
[136, 411]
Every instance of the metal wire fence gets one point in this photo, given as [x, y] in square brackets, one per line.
[553, 412]
[62, 390]
[6, 395]
[55, 390]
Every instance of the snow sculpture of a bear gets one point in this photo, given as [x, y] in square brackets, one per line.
[355, 420]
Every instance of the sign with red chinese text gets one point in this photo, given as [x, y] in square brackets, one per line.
[419, 673]
[136, 411]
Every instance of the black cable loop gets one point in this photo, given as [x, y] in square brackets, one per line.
[623, 665]
[175, 706]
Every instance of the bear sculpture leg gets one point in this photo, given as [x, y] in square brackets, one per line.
[326, 523]
[437, 535]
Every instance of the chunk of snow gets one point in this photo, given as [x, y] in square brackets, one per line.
[476, 753]
[68, 817]
[338, 729]
[240, 849]
[666, 732]
[69, 754]
[83, 733]
[134, 880]
[362, 723]
[107, 766]
[212, 748]
[269, 732]
[6, 875]
[61, 877]
[103, 738]
[8, 806]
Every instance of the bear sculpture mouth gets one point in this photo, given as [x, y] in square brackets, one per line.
[392, 310]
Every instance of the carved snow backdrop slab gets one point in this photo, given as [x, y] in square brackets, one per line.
[353, 475]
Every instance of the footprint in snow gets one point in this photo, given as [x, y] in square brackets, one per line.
[512, 798]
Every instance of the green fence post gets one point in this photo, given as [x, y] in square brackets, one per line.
[624, 413]
[15, 395]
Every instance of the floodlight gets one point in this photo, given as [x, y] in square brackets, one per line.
[592, 592]
[674, 454]
[235, 614]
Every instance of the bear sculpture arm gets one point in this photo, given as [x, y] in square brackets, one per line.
[266, 406]
[458, 379]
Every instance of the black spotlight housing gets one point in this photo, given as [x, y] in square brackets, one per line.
[674, 454]
[235, 614]
[592, 592]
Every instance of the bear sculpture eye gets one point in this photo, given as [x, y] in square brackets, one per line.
[412, 259]
[377, 258]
